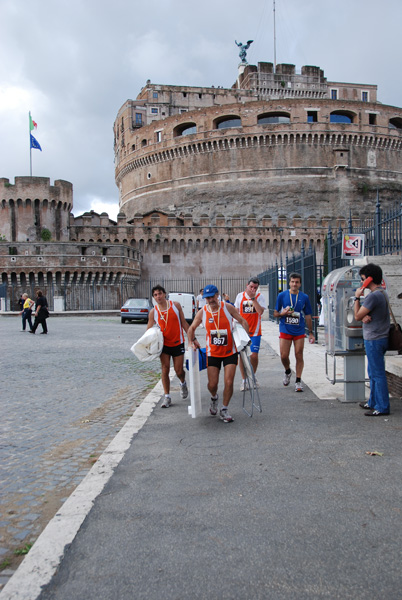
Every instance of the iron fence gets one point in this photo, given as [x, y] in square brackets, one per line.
[312, 275]
[91, 297]
[225, 285]
[382, 231]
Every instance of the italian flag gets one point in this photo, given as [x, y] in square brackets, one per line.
[32, 124]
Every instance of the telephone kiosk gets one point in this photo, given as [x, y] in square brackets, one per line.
[343, 334]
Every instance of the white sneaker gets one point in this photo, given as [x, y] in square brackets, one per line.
[225, 416]
[286, 379]
[213, 407]
[244, 386]
[183, 390]
[298, 386]
[167, 402]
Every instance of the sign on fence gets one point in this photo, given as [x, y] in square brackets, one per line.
[353, 245]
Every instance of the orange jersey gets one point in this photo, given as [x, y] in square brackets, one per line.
[170, 325]
[218, 327]
[248, 312]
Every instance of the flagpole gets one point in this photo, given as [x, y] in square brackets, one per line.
[30, 147]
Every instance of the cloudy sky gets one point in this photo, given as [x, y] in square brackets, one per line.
[73, 63]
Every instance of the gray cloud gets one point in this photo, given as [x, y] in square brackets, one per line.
[73, 64]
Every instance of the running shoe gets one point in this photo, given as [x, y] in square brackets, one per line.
[244, 386]
[167, 402]
[225, 416]
[298, 386]
[286, 378]
[213, 407]
[183, 390]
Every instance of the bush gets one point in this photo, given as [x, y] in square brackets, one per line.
[46, 235]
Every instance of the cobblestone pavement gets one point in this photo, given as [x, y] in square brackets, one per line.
[63, 397]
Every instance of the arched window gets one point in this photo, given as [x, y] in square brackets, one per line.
[273, 117]
[227, 122]
[184, 129]
[395, 123]
[341, 116]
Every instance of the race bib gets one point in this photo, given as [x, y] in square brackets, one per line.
[248, 307]
[293, 319]
[219, 337]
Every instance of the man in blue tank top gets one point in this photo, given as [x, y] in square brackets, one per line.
[293, 308]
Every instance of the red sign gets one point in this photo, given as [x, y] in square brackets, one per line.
[353, 245]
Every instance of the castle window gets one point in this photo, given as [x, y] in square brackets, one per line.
[341, 117]
[312, 116]
[144, 143]
[184, 129]
[154, 111]
[227, 122]
[184, 94]
[166, 258]
[334, 94]
[395, 123]
[132, 147]
[138, 119]
[365, 97]
[274, 117]
[155, 95]
[158, 136]
[200, 96]
[372, 118]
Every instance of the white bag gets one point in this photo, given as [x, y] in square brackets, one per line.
[149, 346]
[240, 336]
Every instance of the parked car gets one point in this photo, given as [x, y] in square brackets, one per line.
[187, 302]
[135, 309]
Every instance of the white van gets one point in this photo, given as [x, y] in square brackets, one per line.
[187, 302]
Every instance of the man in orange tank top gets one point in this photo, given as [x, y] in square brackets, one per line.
[251, 305]
[169, 317]
[217, 318]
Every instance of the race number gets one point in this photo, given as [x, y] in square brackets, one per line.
[248, 307]
[293, 319]
[219, 337]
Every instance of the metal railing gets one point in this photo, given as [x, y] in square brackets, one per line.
[312, 275]
[383, 235]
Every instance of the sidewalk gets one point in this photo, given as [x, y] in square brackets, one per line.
[284, 505]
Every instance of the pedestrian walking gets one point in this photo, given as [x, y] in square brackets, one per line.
[169, 317]
[41, 313]
[251, 305]
[26, 311]
[374, 313]
[217, 318]
[293, 308]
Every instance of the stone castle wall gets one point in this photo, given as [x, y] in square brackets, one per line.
[295, 168]
[31, 205]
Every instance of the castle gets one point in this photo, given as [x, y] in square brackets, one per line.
[213, 181]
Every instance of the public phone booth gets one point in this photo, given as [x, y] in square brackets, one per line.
[343, 334]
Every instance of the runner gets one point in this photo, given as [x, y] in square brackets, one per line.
[294, 310]
[217, 318]
[170, 319]
[251, 306]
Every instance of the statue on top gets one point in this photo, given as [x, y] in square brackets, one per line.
[243, 48]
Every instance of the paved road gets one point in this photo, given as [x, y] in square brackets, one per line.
[63, 397]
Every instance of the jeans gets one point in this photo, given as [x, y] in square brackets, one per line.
[26, 316]
[379, 395]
